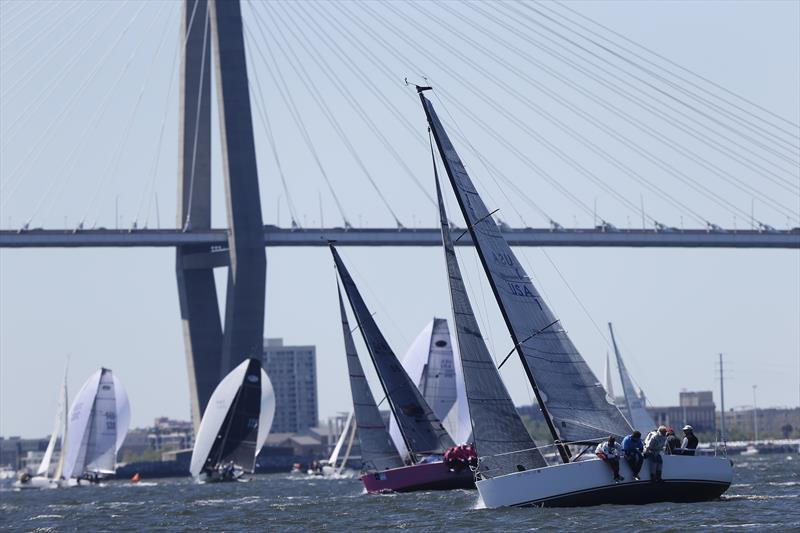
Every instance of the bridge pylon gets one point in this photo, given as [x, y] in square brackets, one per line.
[214, 40]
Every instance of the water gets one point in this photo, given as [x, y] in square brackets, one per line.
[765, 496]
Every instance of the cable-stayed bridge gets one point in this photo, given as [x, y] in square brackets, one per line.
[566, 111]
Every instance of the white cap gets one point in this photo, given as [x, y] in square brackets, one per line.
[687, 427]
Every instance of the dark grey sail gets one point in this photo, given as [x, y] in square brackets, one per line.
[572, 399]
[422, 432]
[500, 437]
[377, 450]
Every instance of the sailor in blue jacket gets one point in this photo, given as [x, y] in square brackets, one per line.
[632, 448]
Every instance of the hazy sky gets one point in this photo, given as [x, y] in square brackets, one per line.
[86, 86]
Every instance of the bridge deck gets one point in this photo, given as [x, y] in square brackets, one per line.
[275, 236]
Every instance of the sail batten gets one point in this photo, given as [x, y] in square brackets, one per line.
[422, 432]
[500, 437]
[377, 451]
[571, 397]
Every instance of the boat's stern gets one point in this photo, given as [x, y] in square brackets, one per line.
[421, 476]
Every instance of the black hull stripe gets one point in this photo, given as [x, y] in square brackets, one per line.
[636, 493]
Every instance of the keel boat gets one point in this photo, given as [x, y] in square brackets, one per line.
[575, 406]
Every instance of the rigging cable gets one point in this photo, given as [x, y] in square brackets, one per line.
[283, 90]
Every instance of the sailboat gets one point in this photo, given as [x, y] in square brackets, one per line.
[634, 401]
[378, 453]
[572, 400]
[423, 434]
[42, 479]
[332, 468]
[98, 423]
[430, 363]
[235, 425]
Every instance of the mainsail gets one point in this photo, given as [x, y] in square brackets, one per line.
[637, 413]
[422, 431]
[59, 428]
[98, 423]
[237, 420]
[501, 439]
[572, 399]
[377, 450]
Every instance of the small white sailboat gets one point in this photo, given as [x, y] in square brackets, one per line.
[573, 402]
[235, 425]
[43, 479]
[332, 468]
[98, 423]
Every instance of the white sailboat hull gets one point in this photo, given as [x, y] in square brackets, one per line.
[585, 483]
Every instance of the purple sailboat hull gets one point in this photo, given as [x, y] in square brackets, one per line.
[423, 476]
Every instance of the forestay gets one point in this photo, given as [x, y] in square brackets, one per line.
[566, 387]
[422, 431]
[637, 413]
[377, 450]
[501, 439]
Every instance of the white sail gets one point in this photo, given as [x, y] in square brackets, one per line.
[80, 414]
[214, 415]
[267, 411]
[609, 383]
[431, 364]
[635, 409]
[44, 466]
[64, 429]
[339, 443]
[101, 441]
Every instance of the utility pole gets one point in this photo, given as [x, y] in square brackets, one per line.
[722, 399]
[755, 416]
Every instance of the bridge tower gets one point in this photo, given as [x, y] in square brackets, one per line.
[214, 345]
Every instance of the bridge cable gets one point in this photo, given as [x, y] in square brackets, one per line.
[678, 147]
[369, 29]
[618, 89]
[312, 89]
[673, 63]
[621, 138]
[26, 159]
[334, 47]
[737, 131]
[360, 47]
[258, 98]
[283, 90]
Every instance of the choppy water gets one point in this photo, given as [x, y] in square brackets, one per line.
[765, 496]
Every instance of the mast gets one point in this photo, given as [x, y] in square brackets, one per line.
[563, 451]
[722, 399]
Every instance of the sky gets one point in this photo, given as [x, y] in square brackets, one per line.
[88, 128]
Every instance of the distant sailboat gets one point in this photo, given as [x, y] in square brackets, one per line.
[235, 424]
[423, 434]
[634, 403]
[332, 468]
[431, 364]
[42, 479]
[98, 422]
[609, 382]
[573, 401]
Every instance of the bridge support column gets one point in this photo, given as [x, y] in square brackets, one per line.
[244, 308]
[197, 294]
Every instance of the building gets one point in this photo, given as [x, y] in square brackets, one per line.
[14, 450]
[293, 373]
[773, 423]
[695, 408]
